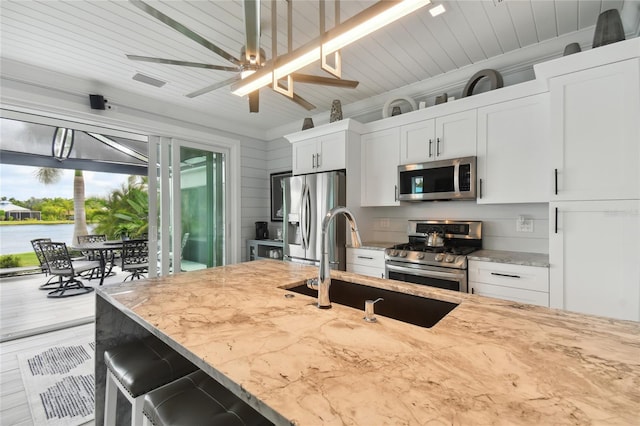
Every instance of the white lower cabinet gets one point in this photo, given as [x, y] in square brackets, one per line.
[520, 283]
[594, 253]
[366, 262]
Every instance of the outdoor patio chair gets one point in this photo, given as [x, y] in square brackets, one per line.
[67, 270]
[49, 285]
[91, 255]
[135, 258]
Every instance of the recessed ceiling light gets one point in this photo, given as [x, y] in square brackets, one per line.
[438, 10]
[149, 80]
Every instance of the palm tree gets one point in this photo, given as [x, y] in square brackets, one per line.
[48, 176]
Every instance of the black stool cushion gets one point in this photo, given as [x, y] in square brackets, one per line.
[197, 399]
[146, 364]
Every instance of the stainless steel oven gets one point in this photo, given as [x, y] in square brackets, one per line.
[434, 276]
[436, 254]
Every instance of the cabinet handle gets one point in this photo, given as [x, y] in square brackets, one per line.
[318, 160]
[365, 257]
[395, 192]
[481, 188]
[313, 161]
[382, 275]
[437, 147]
[505, 275]
[555, 173]
[473, 290]
[556, 221]
[430, 143]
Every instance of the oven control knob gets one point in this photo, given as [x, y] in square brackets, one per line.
[450, 258]
[403, 254]
[459, 259]
[420, 256]
[393, 253]
[439, 257]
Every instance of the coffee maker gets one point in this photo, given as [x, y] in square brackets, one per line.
[262, 231]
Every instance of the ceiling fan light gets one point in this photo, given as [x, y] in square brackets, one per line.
[388, 13]
[360, 25]
[246, 73]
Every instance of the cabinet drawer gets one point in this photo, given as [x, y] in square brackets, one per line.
[366, 257]
[507, 275]
[369, 271]
[509, 293]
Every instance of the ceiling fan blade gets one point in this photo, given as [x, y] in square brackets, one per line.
[252, 30]
[302, 102]
[181, 63]
[212, 87]
[326, 81]
[254, 101]
[184, 30]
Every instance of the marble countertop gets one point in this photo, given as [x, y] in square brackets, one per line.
[512, 257]
[488, 361]
[374, 245]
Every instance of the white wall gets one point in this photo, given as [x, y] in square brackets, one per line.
[255, 190]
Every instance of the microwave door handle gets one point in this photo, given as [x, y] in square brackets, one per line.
[456, 177]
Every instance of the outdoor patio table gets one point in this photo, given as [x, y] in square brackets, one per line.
[102, 247]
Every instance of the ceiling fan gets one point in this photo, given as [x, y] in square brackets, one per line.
[252, 57]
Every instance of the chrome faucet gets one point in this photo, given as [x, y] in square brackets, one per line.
[323, 281]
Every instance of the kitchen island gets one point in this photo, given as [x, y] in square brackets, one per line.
[488, 361]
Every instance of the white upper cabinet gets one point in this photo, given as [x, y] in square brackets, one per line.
[449, 136]
[417, 142]
[514, 151]
[595, 125]
[320, 154]
[456, 135]
[379, 168]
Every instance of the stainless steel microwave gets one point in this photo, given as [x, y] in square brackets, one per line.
[453, 179]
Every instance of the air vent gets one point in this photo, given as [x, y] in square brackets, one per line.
[149, 80]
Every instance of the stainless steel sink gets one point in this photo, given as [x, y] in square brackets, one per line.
[416, 310]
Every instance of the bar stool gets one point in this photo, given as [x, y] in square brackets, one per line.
[137, 368]
[197, 399]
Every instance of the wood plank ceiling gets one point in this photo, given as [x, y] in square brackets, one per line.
[89, 40]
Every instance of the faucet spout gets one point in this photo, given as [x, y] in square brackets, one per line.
[324, 270]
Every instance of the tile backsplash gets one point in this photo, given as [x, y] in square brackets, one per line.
[499, 222]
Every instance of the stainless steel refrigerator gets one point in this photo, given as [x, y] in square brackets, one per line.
[306, 201]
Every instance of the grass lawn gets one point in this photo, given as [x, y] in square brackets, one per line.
[26, 259]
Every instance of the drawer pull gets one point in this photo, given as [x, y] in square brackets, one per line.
[365, 257]
[505, 275]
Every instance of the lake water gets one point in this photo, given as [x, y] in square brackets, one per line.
[17, 238]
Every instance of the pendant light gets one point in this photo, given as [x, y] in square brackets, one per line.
[62, 143]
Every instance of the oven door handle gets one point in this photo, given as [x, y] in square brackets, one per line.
[425, 272]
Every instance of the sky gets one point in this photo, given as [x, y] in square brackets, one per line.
[19, 182]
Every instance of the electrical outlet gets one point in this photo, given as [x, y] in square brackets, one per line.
[383, 223]
[524, 225]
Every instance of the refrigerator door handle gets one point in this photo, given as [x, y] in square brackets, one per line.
[307, 224]
[304, 217]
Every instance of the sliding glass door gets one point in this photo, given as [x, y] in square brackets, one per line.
[193, 199]
[202, 208]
